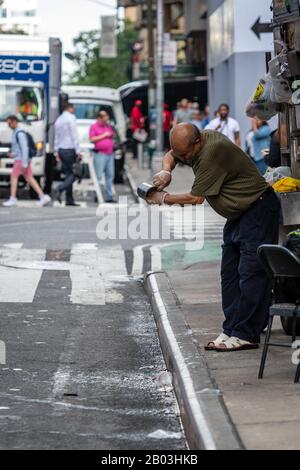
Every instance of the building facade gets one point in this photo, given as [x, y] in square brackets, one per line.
[237, 53]
[184, 22]
[19, 16]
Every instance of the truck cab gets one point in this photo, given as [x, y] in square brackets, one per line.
[27, 101]
[30, 83]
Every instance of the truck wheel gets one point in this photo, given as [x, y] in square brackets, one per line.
[287, 325]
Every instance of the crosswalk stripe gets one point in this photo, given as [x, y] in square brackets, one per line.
[155, 258]
[87, 284]
[15, 285]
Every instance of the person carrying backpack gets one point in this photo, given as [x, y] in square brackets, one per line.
[22, 150]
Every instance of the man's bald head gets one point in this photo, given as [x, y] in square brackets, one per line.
[185, 140]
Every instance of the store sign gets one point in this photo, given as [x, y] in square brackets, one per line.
[108, 42]
[170, 54]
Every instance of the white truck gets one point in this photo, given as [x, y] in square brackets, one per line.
[88, 101]
[30, 84]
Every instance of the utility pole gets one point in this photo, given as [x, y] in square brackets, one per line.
[160, 77]
[151, 69]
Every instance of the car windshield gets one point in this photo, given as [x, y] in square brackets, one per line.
[24, 101]
[91, 110]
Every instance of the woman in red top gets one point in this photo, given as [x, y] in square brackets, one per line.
[167, 124]
[137, 123]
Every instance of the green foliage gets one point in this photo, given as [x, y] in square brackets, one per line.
[92, 70]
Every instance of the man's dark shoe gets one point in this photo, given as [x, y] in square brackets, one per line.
[73, 204]
[111, 201]
[56, 195]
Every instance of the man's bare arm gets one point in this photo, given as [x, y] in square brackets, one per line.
[183, 199]
[162, 179]
[169, 162]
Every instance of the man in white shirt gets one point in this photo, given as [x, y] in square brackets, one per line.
[226, 125]
[67, 149]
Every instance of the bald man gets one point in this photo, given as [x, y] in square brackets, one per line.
[232, 185]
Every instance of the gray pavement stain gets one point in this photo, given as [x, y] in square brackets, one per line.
[83, 377]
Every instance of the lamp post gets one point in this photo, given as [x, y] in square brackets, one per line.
[160, 77]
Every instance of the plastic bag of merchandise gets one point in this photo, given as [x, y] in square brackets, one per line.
[286, 185]
[261, 104]
[281, 91]
[293, 242]
[273, 175]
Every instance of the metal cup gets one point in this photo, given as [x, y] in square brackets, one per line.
[144, 190]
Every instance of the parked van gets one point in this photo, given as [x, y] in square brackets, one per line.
[88, 101]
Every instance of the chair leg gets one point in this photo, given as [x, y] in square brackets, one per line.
[294, 329]
[266, 347]
[297, 376]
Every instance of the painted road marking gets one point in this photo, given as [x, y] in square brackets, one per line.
[16, 285]
[104, 269]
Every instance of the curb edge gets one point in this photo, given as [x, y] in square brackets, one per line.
[197, 407]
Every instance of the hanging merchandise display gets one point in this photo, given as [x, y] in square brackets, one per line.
[261, 105]
[281, 91]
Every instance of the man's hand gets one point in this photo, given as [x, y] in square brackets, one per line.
[157, 198]
[162, 179]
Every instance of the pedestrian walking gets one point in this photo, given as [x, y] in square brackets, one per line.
[167, 124]
[21, 153]
[206, 118]
[102, 136]
[226, 125]
[67, 150]
[184, 113]
[261, 141]
[197, 120]
[137, 125]
[230, 182]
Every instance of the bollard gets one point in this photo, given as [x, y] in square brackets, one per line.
[141, 155]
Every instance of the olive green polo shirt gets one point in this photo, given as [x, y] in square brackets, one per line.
[226, 176]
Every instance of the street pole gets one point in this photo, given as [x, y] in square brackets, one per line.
[160, 78]
[151, 88]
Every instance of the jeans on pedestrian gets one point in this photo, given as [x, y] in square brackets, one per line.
[261, 166]
[105, 164]
[246, 288]
[68, 158]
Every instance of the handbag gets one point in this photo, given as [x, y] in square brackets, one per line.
[140, 135]
[81, 170]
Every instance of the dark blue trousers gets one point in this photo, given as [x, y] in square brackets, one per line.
[246, 289]
[68, 158]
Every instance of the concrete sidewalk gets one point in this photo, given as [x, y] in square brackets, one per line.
[223, 404]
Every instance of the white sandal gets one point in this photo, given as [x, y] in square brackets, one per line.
[236, 344]
[212, 345]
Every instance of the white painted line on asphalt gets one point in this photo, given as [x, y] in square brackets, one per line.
[18, 285]
[138, 261]
[113, 272]
[87, 284]
[187, 383]
[155, 258]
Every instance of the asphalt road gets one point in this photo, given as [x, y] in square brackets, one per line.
[84, 369]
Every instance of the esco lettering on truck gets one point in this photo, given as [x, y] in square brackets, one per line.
[23, 66]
